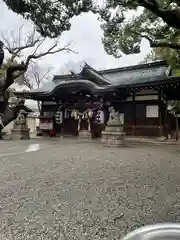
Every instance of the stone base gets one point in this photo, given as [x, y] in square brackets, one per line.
[114, 139]
[20, 134]
[84, 134]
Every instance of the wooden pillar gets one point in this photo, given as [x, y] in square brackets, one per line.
[166, 120]
[133, 112]
[55, 125]
[42, 104]
[160, 126]
[89, 125]
[79, 124]
[62, 125]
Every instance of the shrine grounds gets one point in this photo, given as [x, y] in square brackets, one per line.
[68, 189]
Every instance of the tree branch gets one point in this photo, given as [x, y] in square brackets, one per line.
[15, 47]
[169, 16]
[50, 51]
[27, 84]
[155, 44]
[161, 43]
[158, 43]
[35, 75]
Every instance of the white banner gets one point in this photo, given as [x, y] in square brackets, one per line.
[152, 111]
[46, 126]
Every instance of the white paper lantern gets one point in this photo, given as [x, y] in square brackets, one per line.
[90, 114]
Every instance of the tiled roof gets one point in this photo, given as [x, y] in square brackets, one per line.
[137, 74]
[127, 75]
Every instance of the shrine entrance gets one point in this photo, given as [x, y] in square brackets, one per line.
[139, 93]
[86, 120]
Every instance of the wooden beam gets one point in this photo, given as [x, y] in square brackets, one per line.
[134, 111]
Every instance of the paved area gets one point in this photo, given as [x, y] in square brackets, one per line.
[79, 190]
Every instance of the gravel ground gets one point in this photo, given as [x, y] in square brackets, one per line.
[68, 190]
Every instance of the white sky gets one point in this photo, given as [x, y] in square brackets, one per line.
[85, 38]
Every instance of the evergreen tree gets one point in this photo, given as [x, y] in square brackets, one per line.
[156, 20]
[172, 57]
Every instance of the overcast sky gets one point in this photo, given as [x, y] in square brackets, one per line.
[85, 37]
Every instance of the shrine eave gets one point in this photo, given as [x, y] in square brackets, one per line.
[90, 81]
[162, 82]
[70, 87]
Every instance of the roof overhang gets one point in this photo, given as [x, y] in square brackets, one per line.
[96, 83]
[86, 86]
[159, 82]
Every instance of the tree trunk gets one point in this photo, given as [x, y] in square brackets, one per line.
[9, 75]
[9, 115]
[177, 128]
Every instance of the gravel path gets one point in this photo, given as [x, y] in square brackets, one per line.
[86, 191]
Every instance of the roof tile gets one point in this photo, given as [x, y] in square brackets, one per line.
[136, 76]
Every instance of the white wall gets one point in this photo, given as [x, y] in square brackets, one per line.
[142, 97]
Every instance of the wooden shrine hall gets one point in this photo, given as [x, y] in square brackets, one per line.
[79, 103]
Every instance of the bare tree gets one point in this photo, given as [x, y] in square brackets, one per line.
[17, 46]
[35, 76]
[20, 46]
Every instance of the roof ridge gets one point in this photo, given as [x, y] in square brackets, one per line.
[88, 70]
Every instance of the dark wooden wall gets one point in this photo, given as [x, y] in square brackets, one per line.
[135, 120]
[136, 123]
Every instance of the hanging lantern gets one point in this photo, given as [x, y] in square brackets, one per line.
[72, 113]
[100, 117]
[59, 116]
[75, 115]
[65, 114]
[90, 113]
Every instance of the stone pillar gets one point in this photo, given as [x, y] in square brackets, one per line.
[20, 130]
[113, 134]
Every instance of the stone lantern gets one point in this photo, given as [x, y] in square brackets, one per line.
[20, 130]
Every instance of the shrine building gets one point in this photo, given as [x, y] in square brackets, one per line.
[78, 103]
